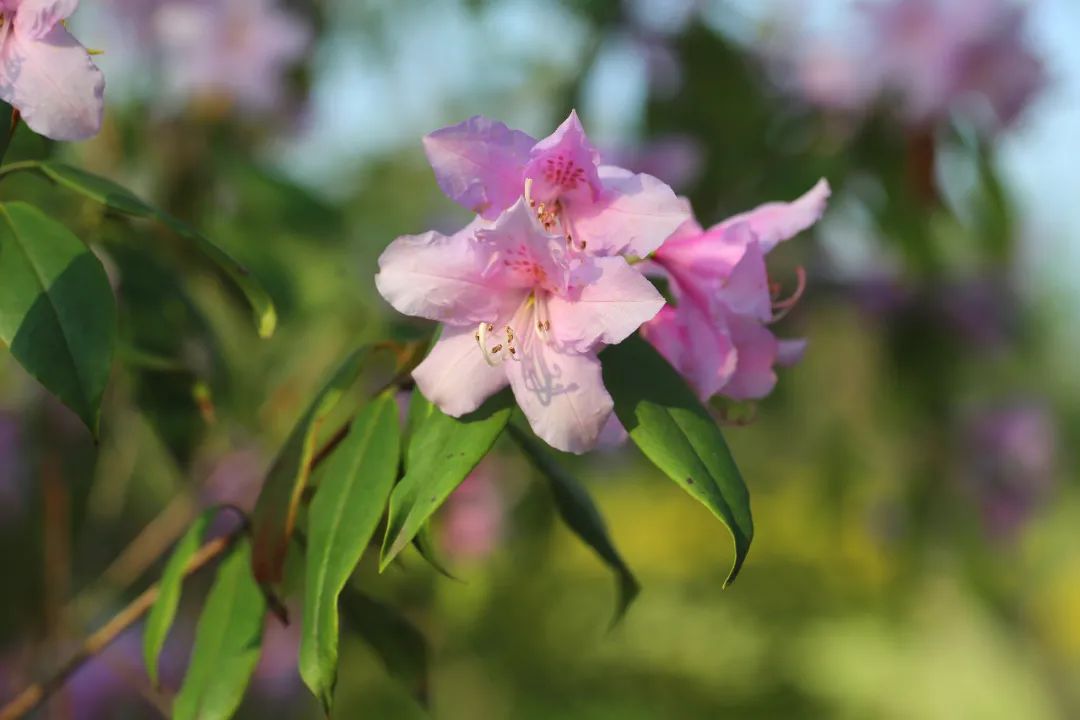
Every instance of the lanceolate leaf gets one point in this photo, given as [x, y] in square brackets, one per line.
[57, 311]
[397, 642]
[580, 514]
[442, 451]
[122, 200]
[228, 642]
[163, 612]
[668, 424]
[347, 507]
[279, 502]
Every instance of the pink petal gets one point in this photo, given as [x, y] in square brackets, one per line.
[53, 83]
[746, 291]
[757, 349]
[635, 214]
[523, 254]
[697, 346]
[35, 18]
[612, 302]
[790, 352]
[479, 164]
[563, 166]
[561, 394]
[440, 277]
[772, 223]
[613, 435]
[455, 375]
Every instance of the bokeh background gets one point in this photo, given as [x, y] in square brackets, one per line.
[913, 479]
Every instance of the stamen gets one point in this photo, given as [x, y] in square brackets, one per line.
[543, 322]
[782, 307]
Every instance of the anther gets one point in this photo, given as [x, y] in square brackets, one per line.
[496, 350]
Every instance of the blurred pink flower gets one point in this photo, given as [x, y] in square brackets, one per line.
[472, 519]
[518, 308]
[46, 74]
[676, 159]
[716, 334]
[238, 50]
[934, 56]
[1009, 463]
[485, 166]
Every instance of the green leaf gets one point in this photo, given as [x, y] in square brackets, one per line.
[398, 643]
[346, 509]
[228, 641]
[441, 453]
[279, 502]
[579, 512]
[669, 425]
[120, 199]
[57, 311]
[163, 612]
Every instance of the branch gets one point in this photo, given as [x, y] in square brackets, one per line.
[33, 696]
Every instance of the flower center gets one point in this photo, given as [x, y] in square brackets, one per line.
[551, 216]
[499, 344]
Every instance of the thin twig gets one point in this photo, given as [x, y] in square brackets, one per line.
[33, 696]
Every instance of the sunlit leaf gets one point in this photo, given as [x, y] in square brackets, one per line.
[579, 512]
[442, 452]
[122, 200]
[346, 509]
[57, 311]
[669, 425]
[162, 614]
[279, 502]
[228, 642]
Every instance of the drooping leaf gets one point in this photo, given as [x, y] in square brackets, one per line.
[398, 643]
[162, 614]
[441, 453]
[426, 548]
[342, 518]
[279, 502]
[228, 641]
[57, 311]
[669, 425]
[579, 512]
[121, 200]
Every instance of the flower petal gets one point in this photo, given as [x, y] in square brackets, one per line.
[772, 223]
[563, 165]
[746, 290]
[612, 302]
[35, 18]
[636, 214]
[757, 349]
[455, 375]
[698, 346]
[523, 254]
[561, 394]
[479, 164]
[53, 83]
[440, 277]
[790, 352]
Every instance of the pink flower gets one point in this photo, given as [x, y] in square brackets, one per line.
[485, 166]
[46, 74]
[234, 49]
[716, 334]
[521, 308]
[474, 514]
[935, 56]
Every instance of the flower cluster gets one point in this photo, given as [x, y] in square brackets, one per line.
[45, 73]
[935, 56]
[553, 269]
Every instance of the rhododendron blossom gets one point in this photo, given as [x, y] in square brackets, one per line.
[605, 210]
[717, 335]
[46, 74]
[518, 307]
[237, 50]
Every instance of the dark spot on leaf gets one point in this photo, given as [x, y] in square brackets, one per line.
[689, 481]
